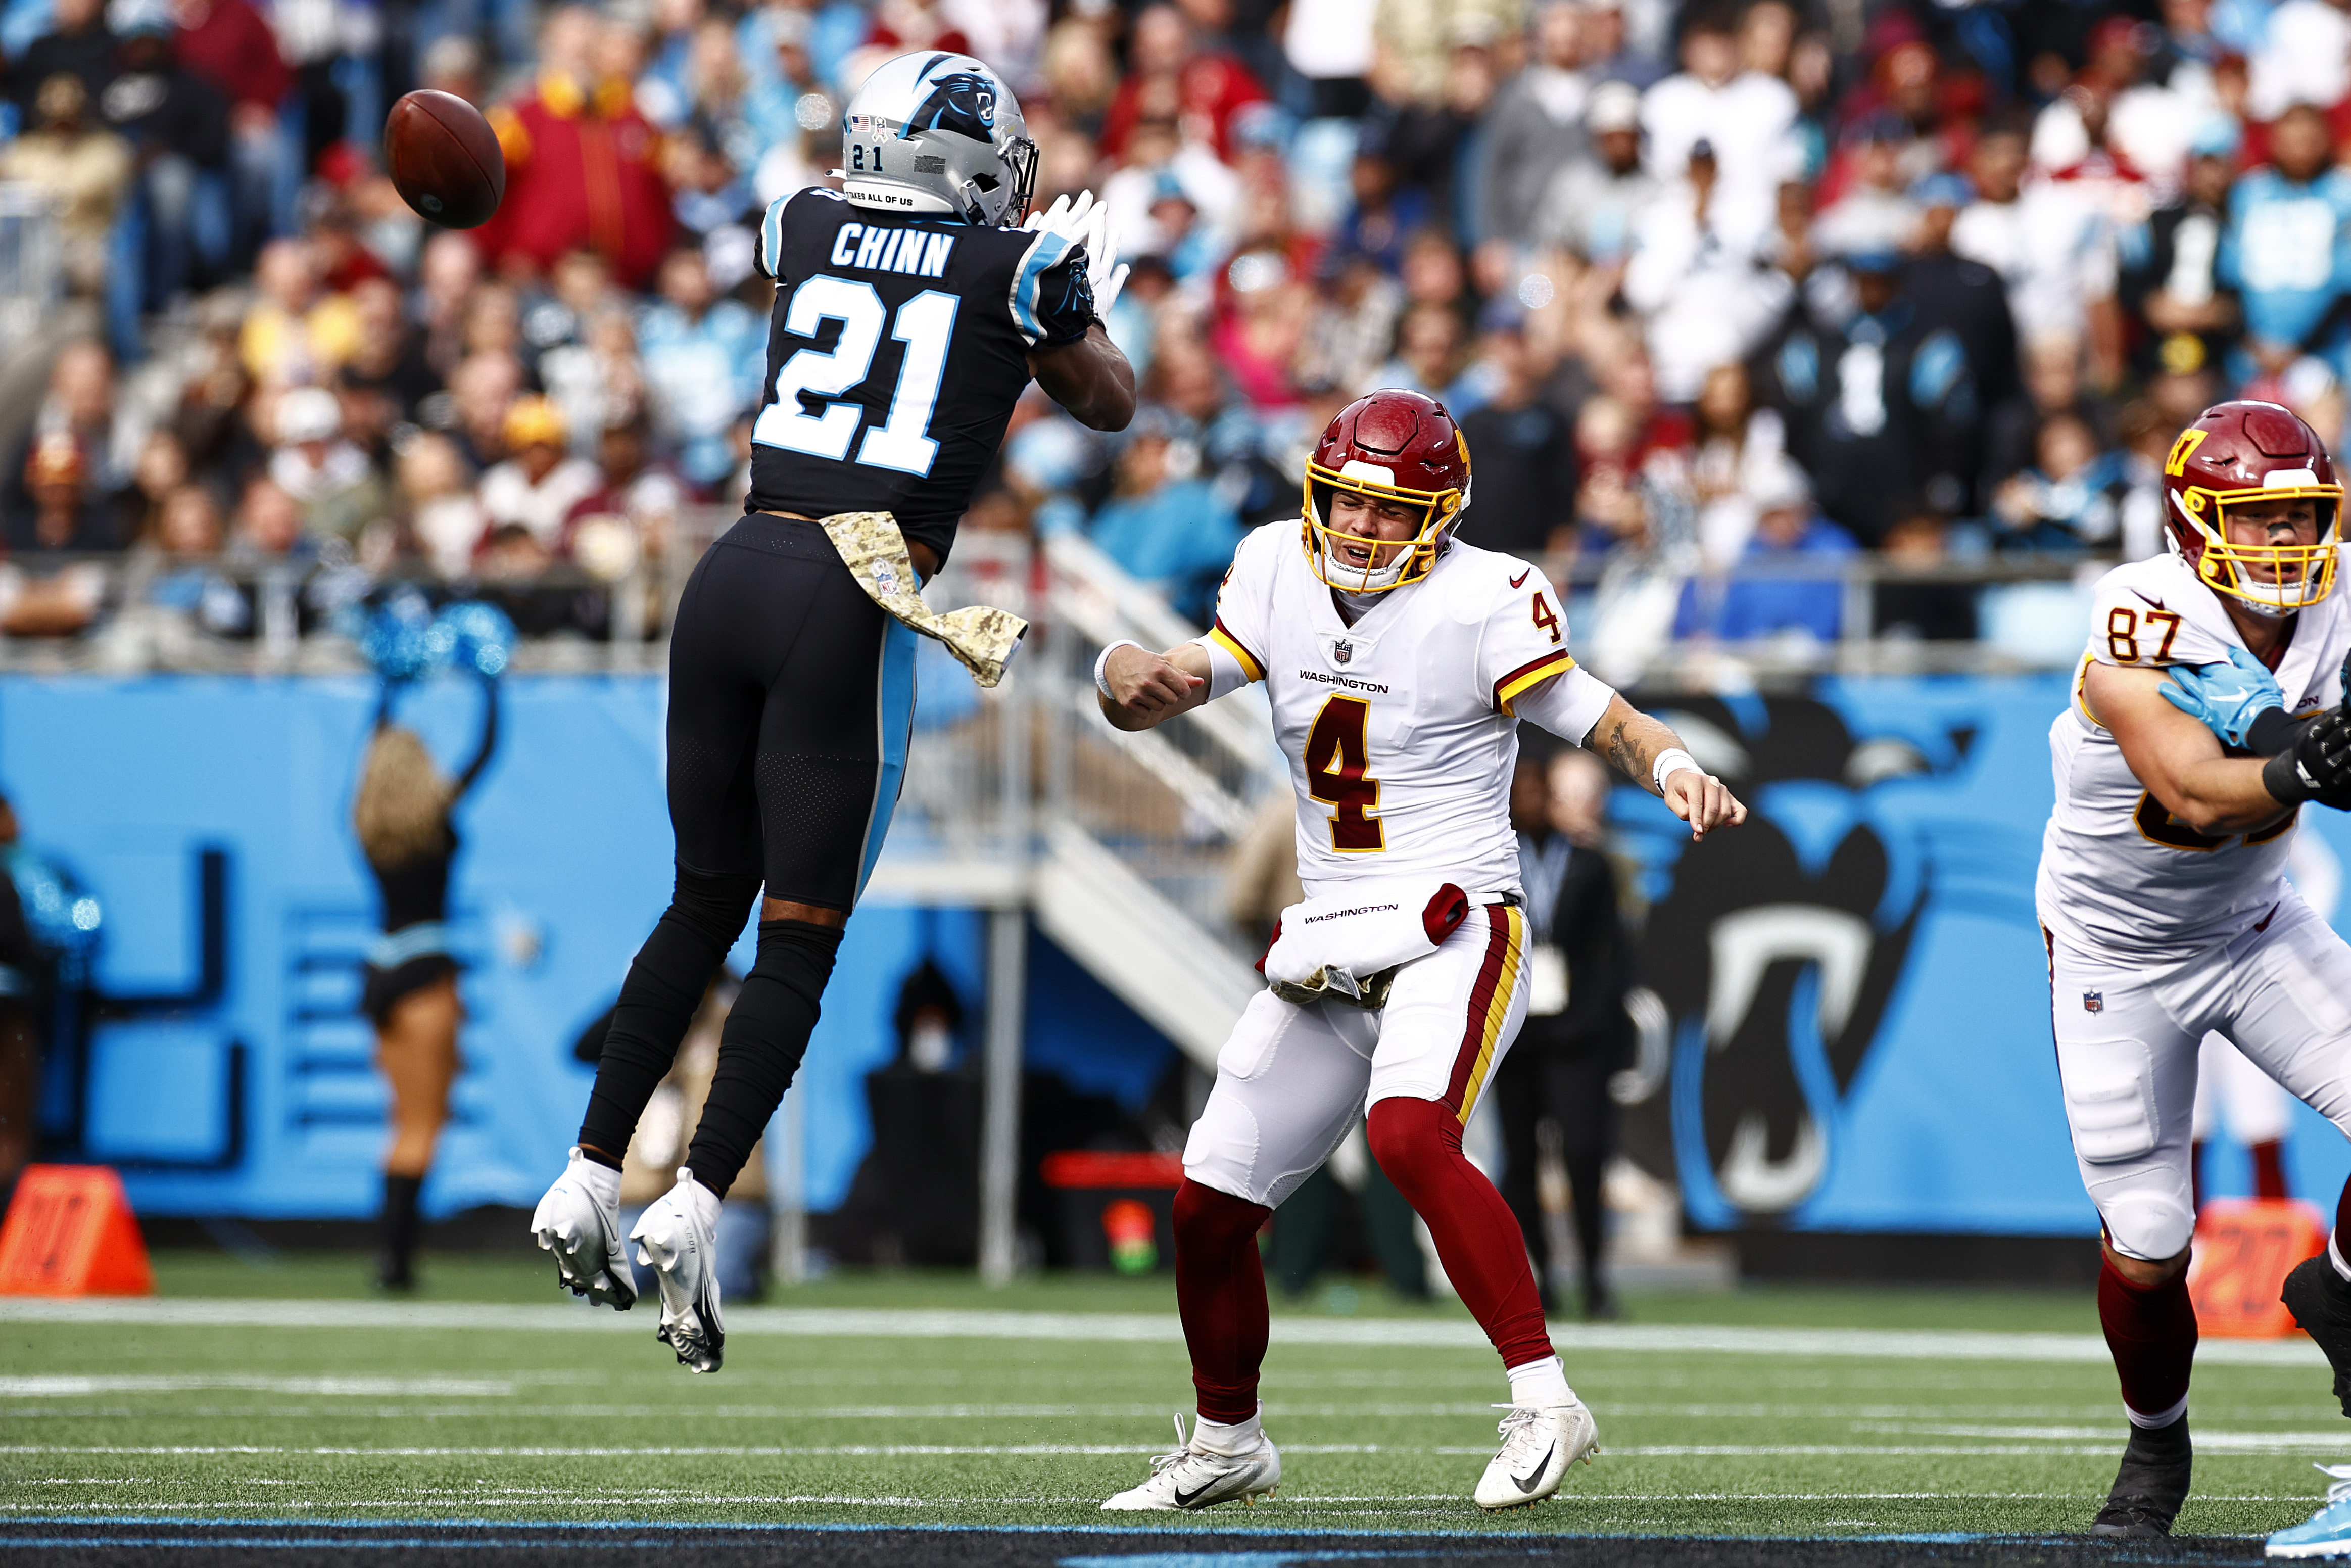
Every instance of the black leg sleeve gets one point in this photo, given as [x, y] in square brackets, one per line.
[657, 1004]
[766, 1035]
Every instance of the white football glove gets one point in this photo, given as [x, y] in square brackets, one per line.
[1087, 222]
[1104, 271]
[1066, 217]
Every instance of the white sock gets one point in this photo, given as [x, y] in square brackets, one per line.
[602, 1182]
[1539, 1383]
[2334, 1256]
[1215, 1437]
[2160, 1419]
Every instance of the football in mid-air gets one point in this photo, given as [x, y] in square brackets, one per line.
[444, 159]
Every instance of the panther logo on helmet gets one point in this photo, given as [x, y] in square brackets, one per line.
[961, 103]
[1388, 445]
[2247, 452]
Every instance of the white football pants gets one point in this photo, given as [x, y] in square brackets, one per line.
[1292, 1080]
[2127, 1036]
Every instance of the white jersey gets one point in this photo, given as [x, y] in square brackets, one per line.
[2118, 874]
[1399, 728]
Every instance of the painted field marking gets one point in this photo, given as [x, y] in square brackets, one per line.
[825, 1323]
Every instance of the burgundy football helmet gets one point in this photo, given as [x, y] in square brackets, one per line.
[2244, 452]
[1389, 445]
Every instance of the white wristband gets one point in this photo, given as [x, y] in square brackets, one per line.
[1670, 763]
[1101, 664]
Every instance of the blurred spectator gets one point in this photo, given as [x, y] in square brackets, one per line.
[1163, 523]
[643, 494]
[1415, 42]
[539, 485]
[1741, 452]
[1524, 454]
[1433, 145]
[1609, 51]
[1876, 211]
[1744, 116]
[81, 401]
[328, 477]
[385, 381]
[2069, 499]
[1536, 127]
[2284, 250]
[1208, 85]
[79, 44]
[1593, 204]
[448, 270]
[481, 389]
[581, 160]
[1428, 352]
[2171, 271]
[2304, 58]
[1694, 275]
[1355, 323]
[1769, 594]
[160, 473]
[1922, 608]
[1879, 407]
[703, 360]
[177, 125]
[1962, 295]
[2054, 250]
[228, 44]
[2052, 386]
[296, 332]
[443, 518]
[84, 168]
[59, 511]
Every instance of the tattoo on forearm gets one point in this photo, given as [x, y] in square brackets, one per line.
[1624, 752]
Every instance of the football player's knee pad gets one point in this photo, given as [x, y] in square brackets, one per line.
[2148, 1220]
[2109, 1099]
[1221, 1152]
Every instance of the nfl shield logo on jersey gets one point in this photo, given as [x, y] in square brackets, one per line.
[2093, 1001]
[1341, 651]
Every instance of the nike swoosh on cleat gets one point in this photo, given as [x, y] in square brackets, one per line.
[1520, 577]
[1183, 1502]
[1527, 1482]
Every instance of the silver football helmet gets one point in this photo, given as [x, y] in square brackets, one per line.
[934, 132]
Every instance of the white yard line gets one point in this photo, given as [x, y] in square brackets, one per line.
[825, 1323]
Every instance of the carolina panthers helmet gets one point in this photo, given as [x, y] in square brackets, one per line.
[938, 133]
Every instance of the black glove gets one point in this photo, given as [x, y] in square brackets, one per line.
[2316, 764]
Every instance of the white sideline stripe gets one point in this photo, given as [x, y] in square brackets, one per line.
[827, 1322]
[66, 1384]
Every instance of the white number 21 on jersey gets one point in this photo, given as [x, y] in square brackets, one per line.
[899, 443]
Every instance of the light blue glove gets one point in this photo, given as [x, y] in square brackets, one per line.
[2224, 698]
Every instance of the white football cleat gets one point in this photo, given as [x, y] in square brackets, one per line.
[1191, 1478]
[676, 1236]
[578, 1220]
[1539, 1443]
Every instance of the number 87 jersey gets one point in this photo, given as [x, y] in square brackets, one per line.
[2117, 874]
[1399, 729]
[897, 346]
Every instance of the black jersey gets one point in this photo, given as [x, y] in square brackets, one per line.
[897, 349]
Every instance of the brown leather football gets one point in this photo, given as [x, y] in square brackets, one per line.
[443, 159]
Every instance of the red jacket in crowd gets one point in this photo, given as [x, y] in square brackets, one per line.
[582, 174]
[231, 45]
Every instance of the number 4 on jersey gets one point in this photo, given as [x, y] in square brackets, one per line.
[1337, 775]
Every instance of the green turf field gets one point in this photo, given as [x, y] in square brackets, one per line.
[902, 1399]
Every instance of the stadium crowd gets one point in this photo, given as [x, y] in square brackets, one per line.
[1722, 293]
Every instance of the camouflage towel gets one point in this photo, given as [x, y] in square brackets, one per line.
[875, 553]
